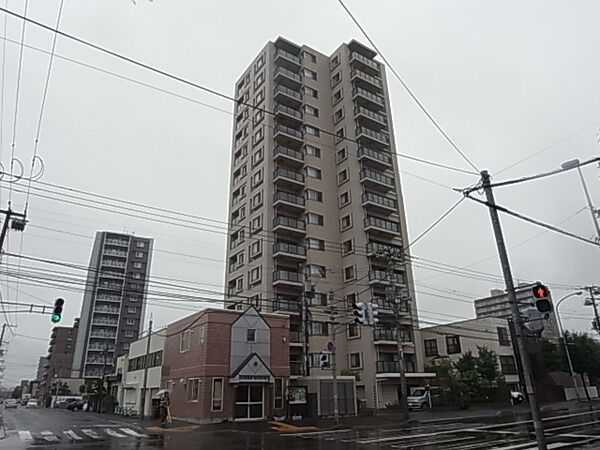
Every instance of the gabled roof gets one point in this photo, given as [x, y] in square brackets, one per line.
[246, 361]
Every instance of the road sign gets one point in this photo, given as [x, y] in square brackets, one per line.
[330, 346]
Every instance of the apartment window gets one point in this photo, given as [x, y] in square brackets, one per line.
[258, 117]
[134, 298]
[343, 176]
[257, 157]
[351, 300]
[319, 328]
[335, 61]
[317, 271]
[257, 200]
[139, 254]
[312, 130]
[338, 115]
[311, 150]
[340, 135]
[320, 299]
[130, 322]
[132, 310]
[256, 224]
[336, 78]
[137, 265]
[136, 276]
[311, 92]
[314, 219]
[453, 344]
[257, 178]
[341, 155]
[251, 335]
[355, 361]
[310, 74]
[508, 365]
[313, 194]
[315, 244]
[311, 110]
[344, 198]
[346, 222]
[258, 136]
[278, 393]
[347, 247]
[255, 274]
[337, 96]
[140, 244]
[309, 57]
[129, 334]
[259, 63]
[503, 337]
[255, 248]
[313, 172]
[353, 330]
[126, 346]
[349, 273]
[217, 394]
[260, 79]
[430, 347]
[185, 340]
[239, 284]
[192, 389]
[260, 96]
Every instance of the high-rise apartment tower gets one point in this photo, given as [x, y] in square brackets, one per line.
[315, 194]
[114, 302]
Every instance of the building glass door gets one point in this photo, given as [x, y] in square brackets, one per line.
[249, 402]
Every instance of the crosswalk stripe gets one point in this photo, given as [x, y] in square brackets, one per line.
[113, 433]
[25, 436]
[72, 435]
[50, 436]
[132, 433]
[91, 433]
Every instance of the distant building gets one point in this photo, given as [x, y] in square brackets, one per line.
[114, 303]
[223, 365]
[453, 340]
[60, 355]
[42, 363]
[497, 305]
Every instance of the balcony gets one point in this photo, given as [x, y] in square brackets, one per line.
[376, 179]
[379, 201]
[111, 274]
[283, 75]
[381, 276]
[367, 98]
[113, 263]
[107, 310]
[372, 137]
[288, 277]
[367, 155]
[108, 298]
[288, 134]
[384, 335]
[364, 62]
[286, 223]
[105, 323]
[281, 153]
[287, 305]
[376, 248]
[119, 242]
[235, 266]
[296, 368]
[289, 250]
[366, 80]
[100, 348]
[387, 366]
[288, 59]
[286, 95]
[293, 115]
[289, 200]
[288, 177]
[98, 335]
[110, 286]
[116, 253]
[296, 337]
[372, 118]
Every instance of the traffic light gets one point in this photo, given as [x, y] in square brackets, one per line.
[359, 313]
[541, 294]
[373, 313]
[57, 311]
[324, 361]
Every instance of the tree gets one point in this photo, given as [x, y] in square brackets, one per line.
[16, 393]
[487, 366]
[82, 389]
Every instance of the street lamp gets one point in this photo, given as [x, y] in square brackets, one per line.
[575, 163]
[564, 339]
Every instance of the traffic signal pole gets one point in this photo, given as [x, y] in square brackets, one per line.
[516, 314]
[336, 408]
[591, 290]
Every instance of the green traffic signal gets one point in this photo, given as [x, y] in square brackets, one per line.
[55, 318]
[57, 312]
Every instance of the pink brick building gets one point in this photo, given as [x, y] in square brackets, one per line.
[227, 365]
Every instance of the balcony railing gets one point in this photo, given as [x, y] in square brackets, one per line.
[112, 323]
[289, 131]
[382, 275]
[370, 114]
[288, 197]
[379, 200]
[384, 304]
[289, 222]
[121, 242]
[288, 73]
[118, 253]
[286, 247]
[106, 310]
[112, 263]
[377, 222]
[377, 99]
[108, 298]
[287, 275]
[110, 286]
[95, 334]
[384, 334]
[364, 152]
[367, 61]
[376, 176]
[365, 76]
[235, 266]
[376, 135]
[288, 306]
[289, 174]
[288, 55]
[281, 150]
[287, 91]
[387, 366]
[376, 247]
[296, 336]
[289, 111]
[296, 368]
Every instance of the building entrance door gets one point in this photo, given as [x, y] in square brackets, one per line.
[249, 402]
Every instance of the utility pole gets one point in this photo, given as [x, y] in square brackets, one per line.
[4, 325]
[145, 378]
[591, 290]
[516, 314]
[17, 225]
[391, 256]
[336, 407]
[306, 295]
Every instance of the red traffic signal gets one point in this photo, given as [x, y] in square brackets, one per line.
[541, 291]
[543, 303]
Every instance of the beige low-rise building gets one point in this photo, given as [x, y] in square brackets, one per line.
[453, 340]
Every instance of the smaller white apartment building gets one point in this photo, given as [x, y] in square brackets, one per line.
[132, 367]
[453, 340]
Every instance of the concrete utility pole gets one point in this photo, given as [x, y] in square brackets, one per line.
[145, 378]
[564, 341]
[336, 407]
[19, 225]
[392, 256]
[307, 294]
[516, 314]
[591, 290]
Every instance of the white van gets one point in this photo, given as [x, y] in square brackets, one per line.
[421, 397]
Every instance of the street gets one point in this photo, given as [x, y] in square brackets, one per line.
[62, 429]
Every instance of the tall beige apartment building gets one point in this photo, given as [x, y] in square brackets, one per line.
[315, 194]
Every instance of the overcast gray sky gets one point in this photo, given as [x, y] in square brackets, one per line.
[505, 79]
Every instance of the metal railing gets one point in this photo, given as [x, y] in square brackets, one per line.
[376, 176]
[286, 90]
[288, 197]
[382, 275]
[289, 222]
[367, 61]
[288, 73]
[380, 156]
[296, 336]
[289, 174]
[371, 114]
[287, 275]
[289, 111]
[382, 137]
[281, 150]
[286, 247]
[111, 263]
[387, 366]
[120, 242]
[379, 199]
[378, 99]
[288, 55]
[365, 76]
[296, 367]
[288, 306]
[376, 247]
[384, 334]
[288, 130]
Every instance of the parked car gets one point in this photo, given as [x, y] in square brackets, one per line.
[78, 405]
[65, 403]
[32, 403]
[11, 403]
[423, 397]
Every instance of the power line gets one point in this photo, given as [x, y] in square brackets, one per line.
[408, 90]
[434, 224]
